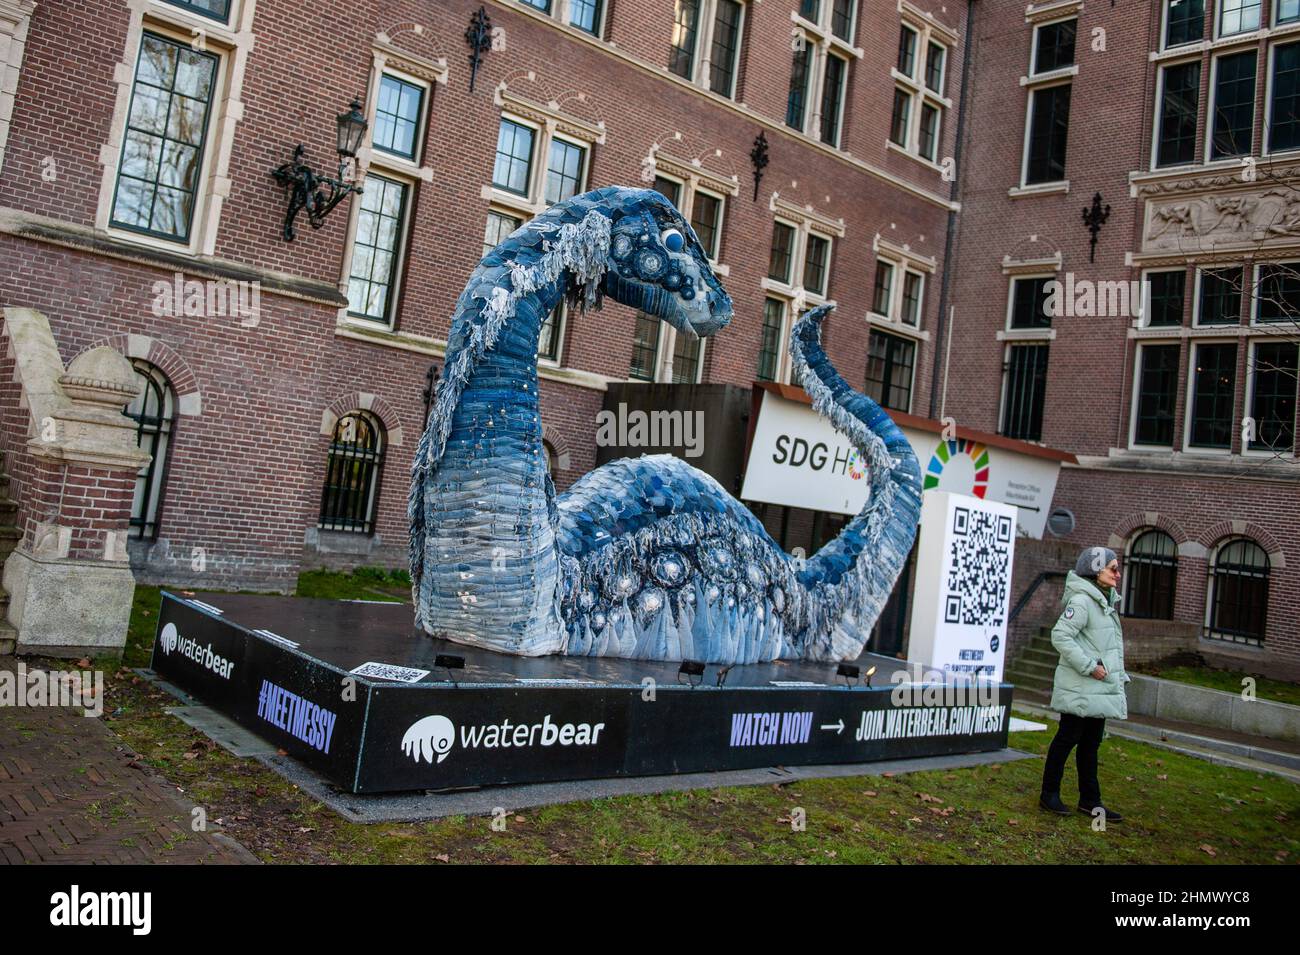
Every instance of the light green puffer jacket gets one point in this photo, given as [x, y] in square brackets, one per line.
[1087, 632]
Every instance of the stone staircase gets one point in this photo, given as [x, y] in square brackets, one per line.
[1032, 668]
[9, 536]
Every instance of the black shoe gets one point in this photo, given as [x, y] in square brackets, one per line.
[1052, 803]
[1110, 815]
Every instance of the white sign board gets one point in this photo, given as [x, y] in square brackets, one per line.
[962, 595]
[799, 460]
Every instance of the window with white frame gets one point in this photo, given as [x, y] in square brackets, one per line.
[705, 43]
[398, 102]
[1027, 347]
[898, 292]
[891, 365]
[542, 157]
[1049, 84]
[1286, 11]
[820, 67]
[798, 277]
[919, 75]
[166, 137]
[585, 15]
[215, 9]
[1184, 22]
[659, 351]
[1237, 16]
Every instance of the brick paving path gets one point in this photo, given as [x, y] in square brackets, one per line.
[70, 794]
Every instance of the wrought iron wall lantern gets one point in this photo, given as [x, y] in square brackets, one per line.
[1094, 218]
[758, 159]
[478, 35]
[320, 194]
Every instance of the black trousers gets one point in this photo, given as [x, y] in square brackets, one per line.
[1085, 733]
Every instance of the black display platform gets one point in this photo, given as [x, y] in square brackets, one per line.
[282, 667]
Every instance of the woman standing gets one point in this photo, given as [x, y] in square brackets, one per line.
[1089, 683]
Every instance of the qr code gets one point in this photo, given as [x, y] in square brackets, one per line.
[979, 565]
[390, 671]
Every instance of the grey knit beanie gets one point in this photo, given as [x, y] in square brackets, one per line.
[1093, 560]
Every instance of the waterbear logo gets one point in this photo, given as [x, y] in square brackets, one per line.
[169, 638]
[435, 735]
[429, 736]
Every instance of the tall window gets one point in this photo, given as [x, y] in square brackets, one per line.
[645, 348]
[1151, 576]
[216, 9]
[1184, 21]
[706, 220]
[513, 167]
[769, 350]
[782, 255]
[832, 98]
[819, 71]
[1238, 593]
[1278, 293]
[166, 133]
[376, 250]
[1165, 293]
[1024, 391]
[1284, 107]
[154, 411]
[681, 55]
[1214, 375]
[1233, 105]
[1029, 303]
[564, 170]
[1273, 396]
[1157, 395]
[890, 361]
[351, 491]
[897, 292]
[725, 51]
[585, 15]
[1048, 125]
[882, 290]
[499, 227]
[1238, 16]
[817, 252]
[397, 116]
[917, 113]
[796, 106]
[1220, 301]
[1180, 92]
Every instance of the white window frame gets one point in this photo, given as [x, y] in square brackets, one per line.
[1202, 268]
[1211, 103]
[1026, 334]
[422, 122]
[1033, 83]
[1276, 12]
[15, 22]
[231, 45]
[1161, 71]
[1248, 397]
[927, 32]
[1135, 391]
[1007, 345]
[1162, 45]
[1190, 397]
[345, 315]
[1143, 321]
[904, 262]
[1242, 34]
[916, 355]
[702, 58]
[821, 41]
[784, 362]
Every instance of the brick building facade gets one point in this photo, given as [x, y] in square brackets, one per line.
[1182, 118]
[137, 140]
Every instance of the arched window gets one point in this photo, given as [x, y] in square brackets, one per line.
[154, 411]
[356, 455]
[1238, 592]
[552, 459]
[1152, 575]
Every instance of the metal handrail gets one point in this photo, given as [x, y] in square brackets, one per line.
[1024, 598]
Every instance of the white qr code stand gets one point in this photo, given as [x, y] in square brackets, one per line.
[963, 587]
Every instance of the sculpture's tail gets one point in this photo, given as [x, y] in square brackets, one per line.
[415, 517]
[849, 580]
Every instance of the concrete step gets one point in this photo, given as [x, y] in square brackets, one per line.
[1221, 752]
[1048, 657]
[1028, 681]
[1039, 671]
[8, 636]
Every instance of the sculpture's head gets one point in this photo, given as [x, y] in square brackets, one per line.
[657, 264]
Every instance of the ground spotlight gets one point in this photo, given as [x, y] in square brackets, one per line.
[693, 670]
[871, 671]
[723, 674]
[848, 672]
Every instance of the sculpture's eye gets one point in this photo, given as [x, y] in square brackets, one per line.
[673, 240]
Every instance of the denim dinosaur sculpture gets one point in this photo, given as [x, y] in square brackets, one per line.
[645, 557]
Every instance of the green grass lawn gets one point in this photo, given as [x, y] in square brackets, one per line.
[1231, 681]
[1177, 809]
